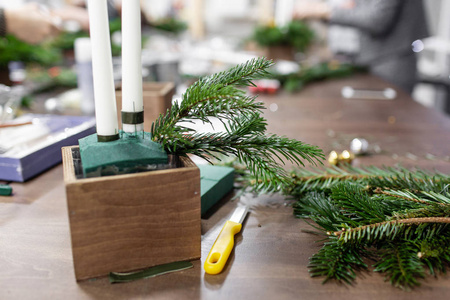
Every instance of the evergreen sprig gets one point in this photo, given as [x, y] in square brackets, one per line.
[400, 218]
[397, 217]
[245, 135]
[296, 34]
[400, 263]
[338, 261]
[389, 178]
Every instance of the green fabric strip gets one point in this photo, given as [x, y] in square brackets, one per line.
[132, 117]
[107, 138]
[150, 272]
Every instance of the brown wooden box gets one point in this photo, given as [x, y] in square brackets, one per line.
[157, 97]
[128, 222]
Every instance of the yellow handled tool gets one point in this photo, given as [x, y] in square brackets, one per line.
[220, 251]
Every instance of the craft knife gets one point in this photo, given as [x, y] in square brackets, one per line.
[222, 247]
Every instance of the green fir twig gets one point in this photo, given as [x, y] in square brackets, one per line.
[245, 136]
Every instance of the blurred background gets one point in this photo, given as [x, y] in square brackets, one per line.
[185, 39]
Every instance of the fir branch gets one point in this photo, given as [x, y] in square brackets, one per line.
[387, 178]
[402, 215]
[213, 96]
[404, 195]
[387, 229]
[433, 210]
[323, 180]
[245, 137]
[401, 265]
[356, 201]
[337, 261]
[414, 182]
[443, 197]
[257, 151]
[435, 254]
[320, 209]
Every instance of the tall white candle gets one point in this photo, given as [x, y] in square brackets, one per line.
[102, 69]
[131, 62]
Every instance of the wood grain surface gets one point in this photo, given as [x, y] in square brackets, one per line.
[132, 221]
[271, 253]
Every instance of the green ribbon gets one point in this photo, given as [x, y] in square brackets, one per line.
[150, 272]
[132, 117]
[107, 138]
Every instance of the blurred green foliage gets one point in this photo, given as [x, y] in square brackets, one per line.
[171, 25]
[66, 40]
[322, 71]
[296, 34]
[13, 49]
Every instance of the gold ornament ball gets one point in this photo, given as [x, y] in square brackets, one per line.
[346, 157]
[333, 158]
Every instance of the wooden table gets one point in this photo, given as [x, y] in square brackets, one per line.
[271, 256]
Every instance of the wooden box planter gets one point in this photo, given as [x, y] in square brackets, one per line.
[157, 97]
[129, 222]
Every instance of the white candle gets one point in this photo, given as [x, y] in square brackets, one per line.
[283, 12]
[131, 62]
[102, 69]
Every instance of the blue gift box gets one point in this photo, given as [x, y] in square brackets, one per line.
[42, 148]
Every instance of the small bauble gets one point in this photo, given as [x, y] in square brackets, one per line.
[333, 158]
[359, 146]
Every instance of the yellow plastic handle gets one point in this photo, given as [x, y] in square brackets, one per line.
[220, 251]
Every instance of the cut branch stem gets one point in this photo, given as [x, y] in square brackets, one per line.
[444, 220]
